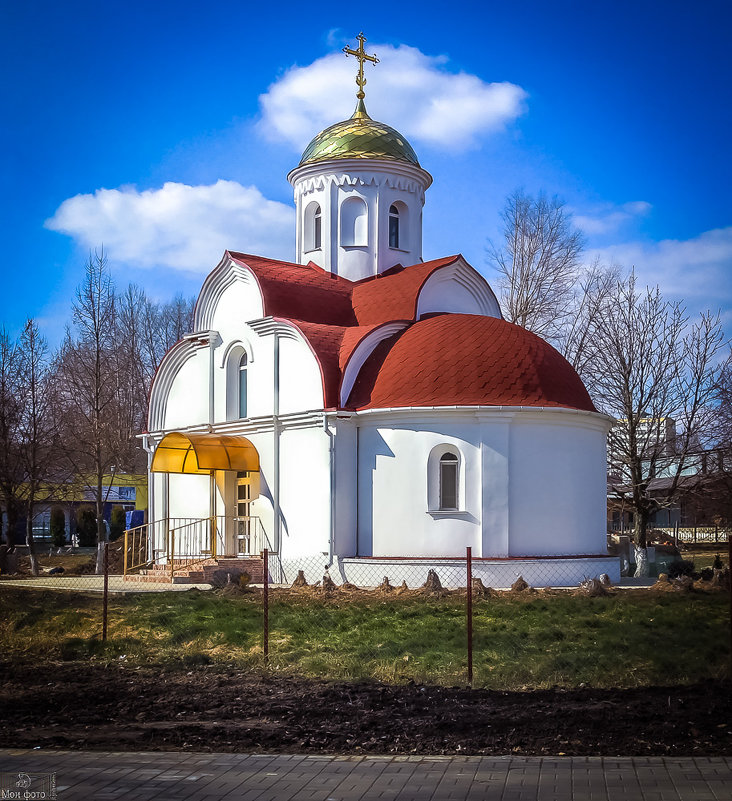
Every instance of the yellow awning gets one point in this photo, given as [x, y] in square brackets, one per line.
[202, 453]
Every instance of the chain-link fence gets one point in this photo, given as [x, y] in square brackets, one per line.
[438, 620]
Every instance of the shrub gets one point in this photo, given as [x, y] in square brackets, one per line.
[684, 567]
[58, 527]
[86, 526]
[117, 521]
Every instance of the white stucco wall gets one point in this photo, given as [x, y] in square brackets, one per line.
[188, 397]
[557, 487]
[301, 385]
[393, 515]
[304, 491]
[189, 496]
[532, 484]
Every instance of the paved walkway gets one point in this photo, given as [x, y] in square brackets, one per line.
[172, 776]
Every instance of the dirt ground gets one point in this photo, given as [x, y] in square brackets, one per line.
[78, 705]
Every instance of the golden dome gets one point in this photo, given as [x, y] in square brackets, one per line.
[359, 137]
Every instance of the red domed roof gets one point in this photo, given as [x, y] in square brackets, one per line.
[467, 360]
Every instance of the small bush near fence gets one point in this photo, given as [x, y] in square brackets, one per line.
[86, 526]
[57, 527]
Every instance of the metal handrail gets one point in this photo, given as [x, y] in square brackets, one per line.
[185, 541]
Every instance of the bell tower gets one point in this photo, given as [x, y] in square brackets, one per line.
[359, 192]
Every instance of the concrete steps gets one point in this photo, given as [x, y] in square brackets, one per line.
[212, 571]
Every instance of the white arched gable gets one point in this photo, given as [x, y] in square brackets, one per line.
[301, 378]
[459, 289]
[361, 352]
[300, 382]
[231, 284]
[173, 363]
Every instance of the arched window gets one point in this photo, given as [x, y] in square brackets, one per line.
[243, 362]
[313, 227]
[393, 226]
[317, 229]
[354, 223]
[448, 481]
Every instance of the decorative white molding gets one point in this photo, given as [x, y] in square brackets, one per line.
[169, 367]
[269, 326]
[321, 183]
[355, 168]
[434, 296]
[226, 273]
[244, 344]
[361, 352]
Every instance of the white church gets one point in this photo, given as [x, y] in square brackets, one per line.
[365, 410]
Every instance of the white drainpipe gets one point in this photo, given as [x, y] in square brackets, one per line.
[331, 458]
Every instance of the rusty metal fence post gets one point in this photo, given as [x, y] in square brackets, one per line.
[105, 606]
[469, 565]
[265, 605]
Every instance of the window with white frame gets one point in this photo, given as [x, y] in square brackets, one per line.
[445, 490]
[313, 227]
[393, 226]
[448, 482]
[243, 364]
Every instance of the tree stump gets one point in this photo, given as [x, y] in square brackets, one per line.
[479, 589]
[592, 587]
[299, 580]
[433, 583]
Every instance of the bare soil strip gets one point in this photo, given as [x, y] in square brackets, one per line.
[78, 705]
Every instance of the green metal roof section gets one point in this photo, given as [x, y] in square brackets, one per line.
[359, 137]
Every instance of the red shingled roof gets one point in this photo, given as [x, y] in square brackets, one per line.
[301, 292]
[445, 360]
[393, 295]
[467, 360]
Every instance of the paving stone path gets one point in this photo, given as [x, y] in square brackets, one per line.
[173, 776]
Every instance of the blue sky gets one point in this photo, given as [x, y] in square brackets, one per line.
[166, 132]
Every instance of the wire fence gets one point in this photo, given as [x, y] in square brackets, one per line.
[440, 620]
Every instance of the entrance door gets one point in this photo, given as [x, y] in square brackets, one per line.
[243, 527]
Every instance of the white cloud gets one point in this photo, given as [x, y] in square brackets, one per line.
[697, 271]
[178, 226]
[408, 90]
[609, 218]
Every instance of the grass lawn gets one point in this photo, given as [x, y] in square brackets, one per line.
[704, 557]
[544, 639]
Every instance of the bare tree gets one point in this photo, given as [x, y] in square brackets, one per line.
[576, 340]
[538, 263]
[36, 424]
[11, 474]
[658, 375]
[87, 387]
[177, 318]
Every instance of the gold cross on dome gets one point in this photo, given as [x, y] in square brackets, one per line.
[362, 56]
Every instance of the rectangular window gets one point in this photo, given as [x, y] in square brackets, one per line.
[316, 232]
[242, 393]
[448, 485]
[393, 231]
